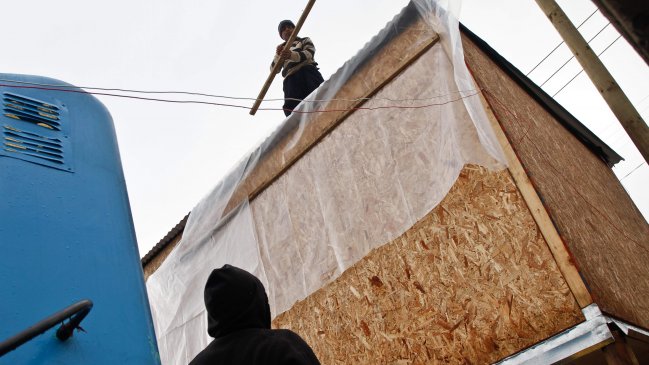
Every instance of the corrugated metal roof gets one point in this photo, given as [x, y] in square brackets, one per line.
[165, 241]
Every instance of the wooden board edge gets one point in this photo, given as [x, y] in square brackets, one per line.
[541, 217]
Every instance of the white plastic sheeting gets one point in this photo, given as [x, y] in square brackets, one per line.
[363, 185]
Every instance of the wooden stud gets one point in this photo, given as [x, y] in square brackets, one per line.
[547, 228]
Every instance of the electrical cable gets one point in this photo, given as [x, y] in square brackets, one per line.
[248, 108]
[382, 107]
[640, 101]
[58, 86]
[632, 171]
[65, 87]
[582, 70]
[559, 45]
[573, 56]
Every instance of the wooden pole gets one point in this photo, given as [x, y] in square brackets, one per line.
[278, 65]
[620, 105]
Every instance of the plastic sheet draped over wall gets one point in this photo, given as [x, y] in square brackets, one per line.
[363, 185]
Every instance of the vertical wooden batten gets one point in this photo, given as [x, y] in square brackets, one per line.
[555, 243]
[570, 169]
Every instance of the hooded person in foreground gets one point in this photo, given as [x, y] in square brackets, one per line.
[238, 317]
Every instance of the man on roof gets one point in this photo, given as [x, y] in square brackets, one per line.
[300, 71]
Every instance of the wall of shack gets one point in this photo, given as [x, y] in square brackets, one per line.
[600, 225]
[471, 281]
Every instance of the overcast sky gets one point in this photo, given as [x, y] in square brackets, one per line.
[173, 154]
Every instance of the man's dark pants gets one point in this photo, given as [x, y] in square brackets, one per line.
[299, 85]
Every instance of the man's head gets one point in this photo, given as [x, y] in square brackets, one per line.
[285, 29]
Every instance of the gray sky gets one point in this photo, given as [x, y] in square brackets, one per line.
[173, 154]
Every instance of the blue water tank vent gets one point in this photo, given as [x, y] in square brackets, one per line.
[31, 110]
[34, 131]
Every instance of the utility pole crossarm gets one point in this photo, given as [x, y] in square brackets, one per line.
[617, 101]
[278, 65]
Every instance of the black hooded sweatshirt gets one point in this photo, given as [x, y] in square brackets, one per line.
[238, 317]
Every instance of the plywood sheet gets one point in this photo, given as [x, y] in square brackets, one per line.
[594, 215]
[471, 282]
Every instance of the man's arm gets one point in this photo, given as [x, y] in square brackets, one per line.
[278, 57]
[305, 53]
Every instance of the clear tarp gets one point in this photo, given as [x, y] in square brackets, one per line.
[363, 185]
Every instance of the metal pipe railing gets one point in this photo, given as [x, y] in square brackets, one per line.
[76, 313]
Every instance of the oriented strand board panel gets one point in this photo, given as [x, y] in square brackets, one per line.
[471, 282]
[594, 215]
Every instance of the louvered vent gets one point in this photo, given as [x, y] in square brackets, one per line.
[30, 110]
[31, 144]
[34, 131]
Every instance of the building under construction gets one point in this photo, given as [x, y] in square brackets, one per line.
[427, 204]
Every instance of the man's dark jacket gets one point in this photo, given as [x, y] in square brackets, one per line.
[238, 317]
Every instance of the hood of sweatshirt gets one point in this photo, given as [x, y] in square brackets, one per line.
[235, 300]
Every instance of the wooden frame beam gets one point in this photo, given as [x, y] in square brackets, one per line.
[616, 99]
[543, 221]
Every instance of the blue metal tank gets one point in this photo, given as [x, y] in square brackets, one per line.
[66, 231]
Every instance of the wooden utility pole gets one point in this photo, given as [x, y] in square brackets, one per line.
[620, 105]
[278, 65]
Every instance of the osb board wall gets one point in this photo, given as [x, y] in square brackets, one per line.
[594, 215]
[159, 258]
[471, 282]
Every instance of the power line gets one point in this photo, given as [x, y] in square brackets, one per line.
[559, 45]
[248, 108]
[632, 171]
[582, 70]
[191, 93]
[573, 56]
[62, 87]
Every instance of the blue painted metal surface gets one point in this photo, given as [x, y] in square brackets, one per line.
[66, 231]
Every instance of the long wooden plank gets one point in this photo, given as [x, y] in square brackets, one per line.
[616, 99]
[278, 65]
[547, 228]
